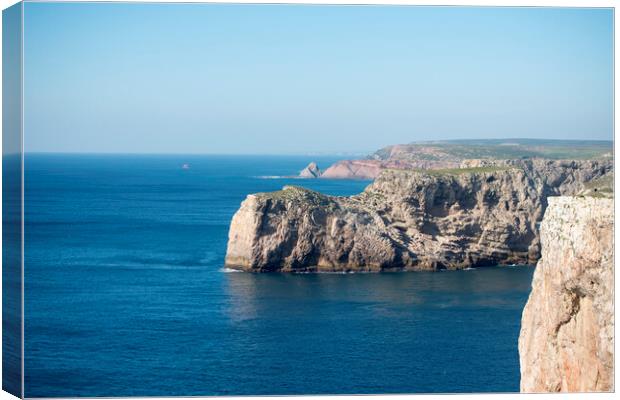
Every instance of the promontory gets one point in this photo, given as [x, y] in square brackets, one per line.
[481, 213]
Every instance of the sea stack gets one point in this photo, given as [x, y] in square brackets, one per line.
[566, 341]
[311, 171]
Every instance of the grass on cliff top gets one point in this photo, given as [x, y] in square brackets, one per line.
[294, 193]
[604, 182]
[456, 171]
[600, 187]
[502, 149]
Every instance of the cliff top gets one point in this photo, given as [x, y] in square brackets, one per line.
[602, 187]
[297, 193]
[454, 171]
[497, 149]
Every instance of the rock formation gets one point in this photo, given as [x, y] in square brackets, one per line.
[353, 169]
[566, 341]
[452, 153]
[370, 169]
[407, 219]
[311, 171]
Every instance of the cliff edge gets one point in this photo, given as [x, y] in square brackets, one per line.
[451, 153]
[407, 220]
[566, 340]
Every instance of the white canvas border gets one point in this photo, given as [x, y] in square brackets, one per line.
[480, 3]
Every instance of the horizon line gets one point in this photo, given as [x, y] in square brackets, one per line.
[188, 154]
[318, 154]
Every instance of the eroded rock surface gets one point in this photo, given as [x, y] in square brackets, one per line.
[566, 341]
[407, 219]
[451, 153]
[371, 169]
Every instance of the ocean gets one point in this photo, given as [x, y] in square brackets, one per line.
[126, 294]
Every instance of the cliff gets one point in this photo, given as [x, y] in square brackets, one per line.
[498, 149]
[566, 341]
[370, 169]
[453, 153]
[406, 219]
[464, 154]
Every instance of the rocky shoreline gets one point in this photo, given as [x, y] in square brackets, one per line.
[477, 215]
[556, 213]
[437, 155]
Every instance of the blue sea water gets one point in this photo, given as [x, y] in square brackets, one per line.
[126, 294]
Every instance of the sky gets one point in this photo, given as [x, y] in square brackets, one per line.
[303, 79]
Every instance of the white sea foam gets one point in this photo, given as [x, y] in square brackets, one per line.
[332, 272]
[280, 177]
[229, 270]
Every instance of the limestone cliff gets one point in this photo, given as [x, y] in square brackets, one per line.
[451, 153]
[566, 341]
[407, 219]
[371, 169]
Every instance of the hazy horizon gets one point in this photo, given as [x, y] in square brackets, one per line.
[320, 154]
[242, 79]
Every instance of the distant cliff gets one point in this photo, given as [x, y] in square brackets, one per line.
[566, 341]
[370, 169]
[407, 219]
[453, 153]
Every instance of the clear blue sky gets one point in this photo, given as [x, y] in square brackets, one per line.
[294, 79]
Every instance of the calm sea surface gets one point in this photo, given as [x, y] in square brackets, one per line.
[126, 294]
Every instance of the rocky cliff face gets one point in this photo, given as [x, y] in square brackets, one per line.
[406, 219]
[371, 169]
[452, 153]
[566, 341]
